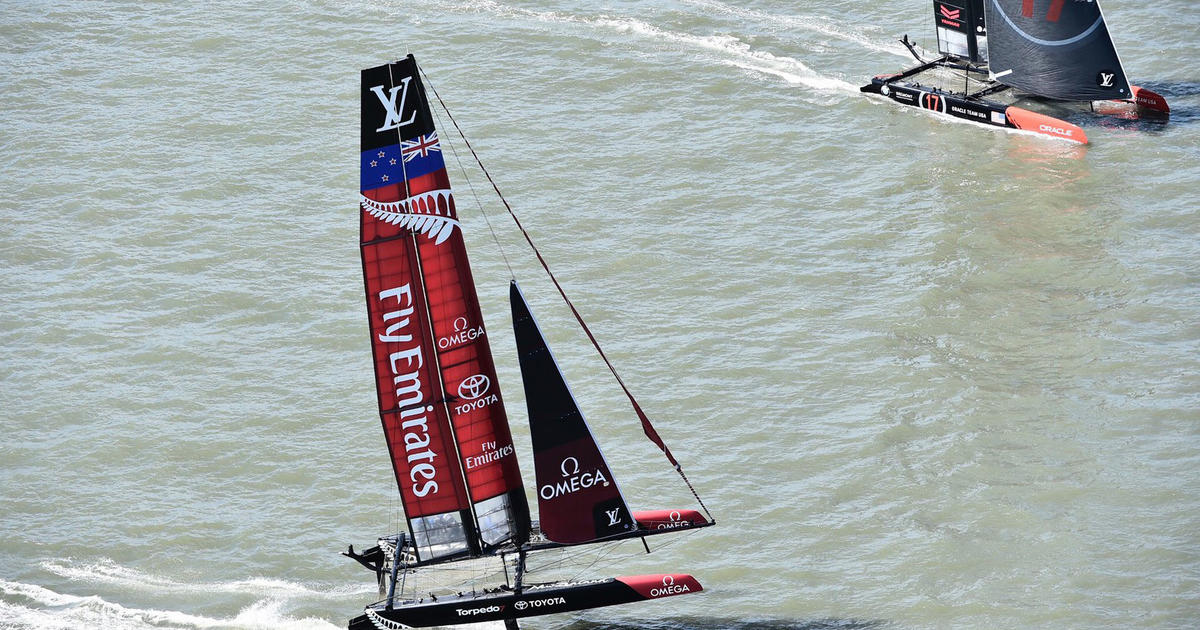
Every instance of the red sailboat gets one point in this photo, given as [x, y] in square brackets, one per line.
[443, 414]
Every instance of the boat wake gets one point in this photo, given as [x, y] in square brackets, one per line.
[105, 571]
[730, 50]
[72, 612]
[26, 606]
[723, 49]
[815, 24]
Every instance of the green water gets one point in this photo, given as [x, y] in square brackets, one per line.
[926, 375]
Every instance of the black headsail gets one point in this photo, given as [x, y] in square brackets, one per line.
[578, 499]
[1054, 48]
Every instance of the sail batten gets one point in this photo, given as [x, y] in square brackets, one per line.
[1055, 49]
[439, 400]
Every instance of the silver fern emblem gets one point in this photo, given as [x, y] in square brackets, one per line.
[421, 213]
[383, 624]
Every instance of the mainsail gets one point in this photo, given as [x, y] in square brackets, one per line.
[443, 418]
[578, 498]
[1054, 48]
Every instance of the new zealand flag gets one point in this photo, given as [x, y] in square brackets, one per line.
[398, 138]
[395, 163]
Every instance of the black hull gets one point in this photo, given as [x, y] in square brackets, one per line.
[905, 88]
[534, 600]
[971, 107]
[975, 110]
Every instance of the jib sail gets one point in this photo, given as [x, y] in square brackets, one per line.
[578, 498]
[443, 419]
[1054, 48]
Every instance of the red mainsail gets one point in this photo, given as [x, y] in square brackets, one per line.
[442, 414]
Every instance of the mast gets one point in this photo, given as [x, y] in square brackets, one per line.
[1054, 48]
[439, 400]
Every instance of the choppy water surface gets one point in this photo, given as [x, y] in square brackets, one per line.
[927, 375]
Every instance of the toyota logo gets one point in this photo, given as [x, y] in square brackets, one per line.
[474, 386]
[521, 605]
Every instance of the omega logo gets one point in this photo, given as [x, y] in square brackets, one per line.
[463, 333]
[572, 480]
[669, 587]
[574, 465]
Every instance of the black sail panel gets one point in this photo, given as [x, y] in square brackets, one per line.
[1054, 48]
[578, 498]
[960, 28]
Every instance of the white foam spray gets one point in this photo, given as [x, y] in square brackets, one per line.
[33, 607]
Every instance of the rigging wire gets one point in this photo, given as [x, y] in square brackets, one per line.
[584, 569]
[647, 427]
[603, 555]
[462, 169]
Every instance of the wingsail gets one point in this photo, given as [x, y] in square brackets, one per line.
[444, 420]
[961, 30]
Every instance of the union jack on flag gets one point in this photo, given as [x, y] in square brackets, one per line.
[421, 145]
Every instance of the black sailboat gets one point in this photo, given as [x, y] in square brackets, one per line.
[444, 419]
[995, 53]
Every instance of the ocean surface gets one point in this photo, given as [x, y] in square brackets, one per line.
[926, 375]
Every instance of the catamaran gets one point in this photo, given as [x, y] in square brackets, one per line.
[995, 53]
[470, 541]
